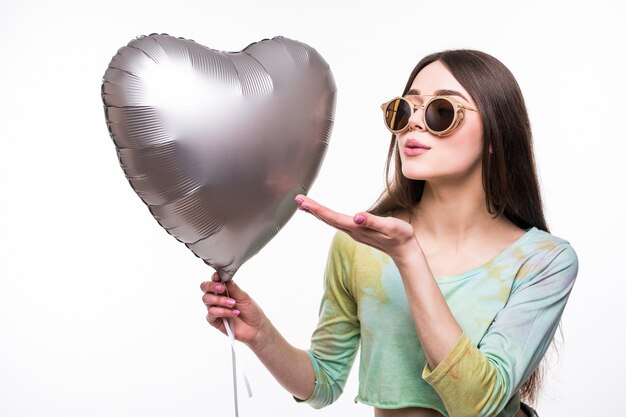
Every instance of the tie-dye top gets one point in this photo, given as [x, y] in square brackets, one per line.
[508, 308]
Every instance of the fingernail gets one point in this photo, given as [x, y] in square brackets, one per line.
[236, 312]
[359, 219]
[219, 287]
[299, 200]
[230, 302]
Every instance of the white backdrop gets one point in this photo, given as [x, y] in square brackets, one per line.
[100, 309]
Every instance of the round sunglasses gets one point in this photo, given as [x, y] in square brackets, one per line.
[441, 114]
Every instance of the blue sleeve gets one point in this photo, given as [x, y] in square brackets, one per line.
[480, 380]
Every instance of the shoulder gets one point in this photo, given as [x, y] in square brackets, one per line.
[344, 246]
[546, 256]
[348, 251]
[544, 245]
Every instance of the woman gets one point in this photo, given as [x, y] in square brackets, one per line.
[451, 284]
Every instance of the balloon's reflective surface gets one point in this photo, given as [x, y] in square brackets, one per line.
[218, 144]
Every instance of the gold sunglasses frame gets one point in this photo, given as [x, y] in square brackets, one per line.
[459, 113]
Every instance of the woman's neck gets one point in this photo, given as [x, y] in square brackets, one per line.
[453, 211]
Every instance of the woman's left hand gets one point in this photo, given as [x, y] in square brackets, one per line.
[391, 235]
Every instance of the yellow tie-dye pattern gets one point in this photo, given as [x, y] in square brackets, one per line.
[546, 246]
[367, 276]
[498, 274]
[448, 376]
[518, 253]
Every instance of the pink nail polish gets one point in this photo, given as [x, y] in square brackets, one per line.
[236, 312]
[230, 302]
[219, 288]
[299, 201]
[359, 219]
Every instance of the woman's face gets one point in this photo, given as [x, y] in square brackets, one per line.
[452, 157]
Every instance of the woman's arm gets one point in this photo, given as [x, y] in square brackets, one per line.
[318, 375]
[290, 366]
[437, 329]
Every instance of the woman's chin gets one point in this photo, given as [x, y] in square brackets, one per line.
[416, 174]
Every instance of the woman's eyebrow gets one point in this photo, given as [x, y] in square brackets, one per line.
[450, 93]
[414, 92]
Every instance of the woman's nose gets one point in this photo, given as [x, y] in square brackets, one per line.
[416, 121]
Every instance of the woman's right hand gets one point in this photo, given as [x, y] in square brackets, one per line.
[248, 318]
[291, 367]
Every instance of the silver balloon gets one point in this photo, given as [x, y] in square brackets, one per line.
[218, 144]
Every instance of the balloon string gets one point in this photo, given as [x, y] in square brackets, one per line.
[230, 330]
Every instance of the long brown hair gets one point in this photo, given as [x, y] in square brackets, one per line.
[509, 174]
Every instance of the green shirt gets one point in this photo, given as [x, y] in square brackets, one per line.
[508, 308]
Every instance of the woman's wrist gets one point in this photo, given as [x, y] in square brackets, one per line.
[265, 335]
[408, 255]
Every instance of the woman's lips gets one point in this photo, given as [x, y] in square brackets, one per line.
[414, 148]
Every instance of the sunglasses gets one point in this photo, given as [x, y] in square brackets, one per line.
[441, 114]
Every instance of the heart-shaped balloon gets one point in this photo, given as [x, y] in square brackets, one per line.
[218, 144]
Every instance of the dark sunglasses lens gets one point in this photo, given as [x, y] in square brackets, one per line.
[439, 115]
[397, 114]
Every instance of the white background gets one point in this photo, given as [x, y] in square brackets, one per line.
[100, 310]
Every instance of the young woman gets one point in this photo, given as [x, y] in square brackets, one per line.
[451, 284]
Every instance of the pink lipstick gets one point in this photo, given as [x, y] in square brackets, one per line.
[413, 147]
